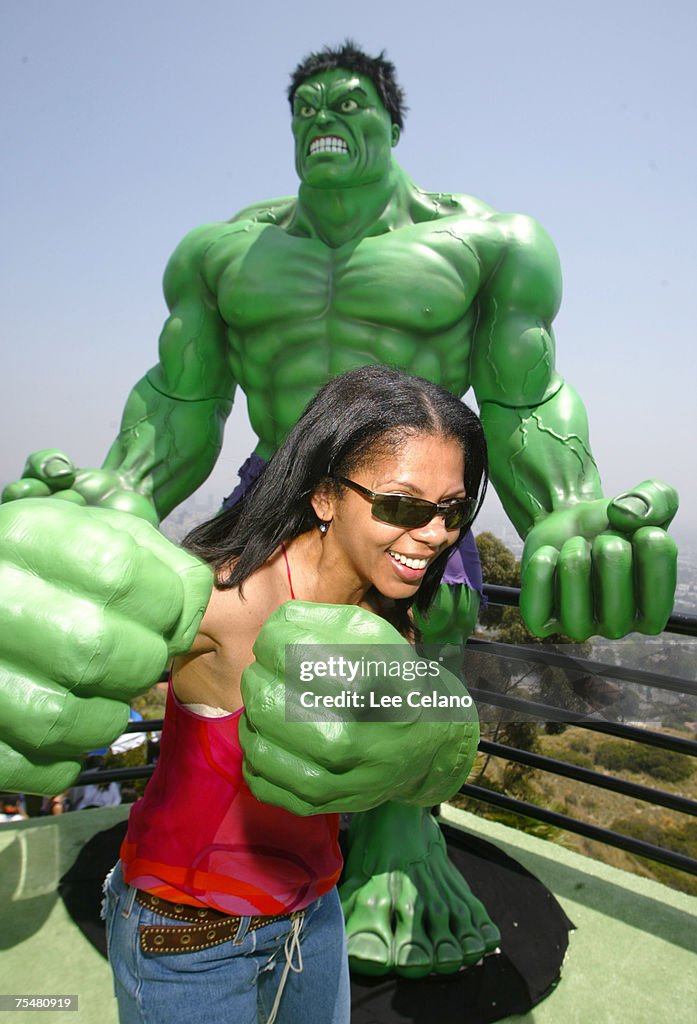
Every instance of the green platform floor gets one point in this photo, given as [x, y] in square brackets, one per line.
[632, 959]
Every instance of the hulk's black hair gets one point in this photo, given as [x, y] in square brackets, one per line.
[360, 416]
[381, 72]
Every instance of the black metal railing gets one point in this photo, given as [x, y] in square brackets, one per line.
[681, 624]
[684, 625]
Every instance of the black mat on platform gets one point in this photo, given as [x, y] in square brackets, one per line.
[534, 938]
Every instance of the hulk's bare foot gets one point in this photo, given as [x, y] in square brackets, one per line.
[407, 908]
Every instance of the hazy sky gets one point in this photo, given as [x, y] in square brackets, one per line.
[124, 124]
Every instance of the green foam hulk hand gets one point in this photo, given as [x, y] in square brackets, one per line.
[452, 616]
[344, 760]
[602, 567]
[93, 602]
[51, 473]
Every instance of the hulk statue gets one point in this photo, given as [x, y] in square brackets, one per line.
[361, 266]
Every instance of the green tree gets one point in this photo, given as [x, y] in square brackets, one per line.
[499, 564]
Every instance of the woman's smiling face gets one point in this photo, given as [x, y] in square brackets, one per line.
[394, 559]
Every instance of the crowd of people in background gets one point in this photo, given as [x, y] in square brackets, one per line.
[22, 806]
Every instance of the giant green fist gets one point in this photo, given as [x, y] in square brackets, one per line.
[51, 473]
[604, 567]
[93, 602]
[343, 759]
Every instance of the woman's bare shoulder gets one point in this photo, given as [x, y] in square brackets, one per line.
[210, 672]
[233, 611]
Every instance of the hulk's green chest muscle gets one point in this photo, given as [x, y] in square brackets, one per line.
[305, 311]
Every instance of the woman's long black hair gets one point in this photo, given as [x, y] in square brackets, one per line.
[356, 418]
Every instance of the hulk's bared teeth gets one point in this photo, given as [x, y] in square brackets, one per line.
[328, 144]
[412, 563]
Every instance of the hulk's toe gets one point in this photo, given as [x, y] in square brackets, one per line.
[368, 953]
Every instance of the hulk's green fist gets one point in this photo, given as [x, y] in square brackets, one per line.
[338, 755]
[51, 473]
[92, 604]
[604, 567]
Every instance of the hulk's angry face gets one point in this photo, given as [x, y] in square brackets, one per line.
[343, 134]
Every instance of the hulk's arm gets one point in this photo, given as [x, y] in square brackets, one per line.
[172, 427]
[535, 424]
[590, 564]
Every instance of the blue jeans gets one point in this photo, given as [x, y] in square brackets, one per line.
[237, 980]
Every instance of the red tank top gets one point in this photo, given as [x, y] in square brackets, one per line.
[199, 836]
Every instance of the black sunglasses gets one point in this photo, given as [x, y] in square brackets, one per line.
[411, 513]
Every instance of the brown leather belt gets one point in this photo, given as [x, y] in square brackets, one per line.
[207, 927]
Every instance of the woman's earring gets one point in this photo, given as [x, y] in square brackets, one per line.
[323, 527]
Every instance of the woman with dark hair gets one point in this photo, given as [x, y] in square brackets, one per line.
[363, 415]
[216, 891]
